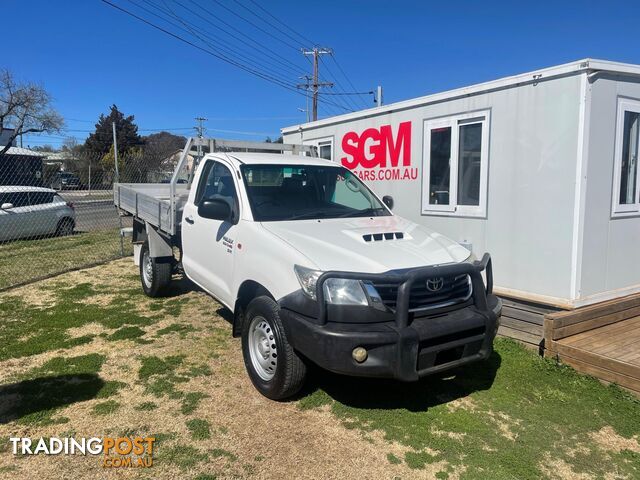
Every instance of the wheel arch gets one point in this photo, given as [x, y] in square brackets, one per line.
[248, 290]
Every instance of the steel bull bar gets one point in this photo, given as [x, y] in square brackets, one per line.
[408, 344]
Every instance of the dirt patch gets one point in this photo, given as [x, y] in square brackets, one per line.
[558, 469]
[607, 439]
[506, 425]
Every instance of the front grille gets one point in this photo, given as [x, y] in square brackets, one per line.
[454, 290]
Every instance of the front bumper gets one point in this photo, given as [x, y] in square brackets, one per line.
[409, 346]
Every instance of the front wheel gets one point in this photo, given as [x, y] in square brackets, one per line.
[273, 366]
[155, 273]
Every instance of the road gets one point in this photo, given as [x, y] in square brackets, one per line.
[94, 211]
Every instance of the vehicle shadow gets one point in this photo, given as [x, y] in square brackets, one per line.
[43, 394]
[437, 389]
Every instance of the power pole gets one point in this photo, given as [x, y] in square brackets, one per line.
[315, 85]
[115, 151]
[200, 129]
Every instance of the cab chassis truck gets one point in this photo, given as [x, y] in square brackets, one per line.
[313, 265]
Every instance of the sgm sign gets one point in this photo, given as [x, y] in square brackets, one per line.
[380, 154]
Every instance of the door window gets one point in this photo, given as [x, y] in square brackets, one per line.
[216, 181]
[39, 198]
[17, 199]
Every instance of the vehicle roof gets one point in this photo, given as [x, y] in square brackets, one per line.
[275, 158]
[23, 188]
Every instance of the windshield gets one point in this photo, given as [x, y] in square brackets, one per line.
[296, 192]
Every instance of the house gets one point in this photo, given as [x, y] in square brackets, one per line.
[21, 166]
[5, 135]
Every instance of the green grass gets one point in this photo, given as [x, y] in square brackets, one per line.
[205, 476]
[26, 260]
[199, 429]
[221, 452]
[90, 363]
[60, 381]
[190, 402]
[106, 408]
[126, 333]
[179, 328]
[29, 330]
[163, 376]
[545, 408]
[146, 406]
[184, 456]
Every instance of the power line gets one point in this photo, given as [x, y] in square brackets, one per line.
[349, 101]
[209, 52]
[295, 47]
[280, 59]
[345, 76]
[226, 51]
[267, 22]
[286, 64]
[306, 40]
[370, 92]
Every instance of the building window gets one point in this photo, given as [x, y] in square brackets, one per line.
[626, 191]
[324, 147]
[455, 165]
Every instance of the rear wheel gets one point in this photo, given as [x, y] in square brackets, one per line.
[273, 366]
[65, 227]
[155, 273]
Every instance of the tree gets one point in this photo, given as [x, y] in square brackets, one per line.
[25, 107]
[101, 141]
[43, 148]
[159, 146]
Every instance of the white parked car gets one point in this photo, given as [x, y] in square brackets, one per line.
[33, 211]
[315, 268]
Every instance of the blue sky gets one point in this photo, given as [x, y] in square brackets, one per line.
[89, 55]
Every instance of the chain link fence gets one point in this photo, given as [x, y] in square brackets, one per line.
[57, 212]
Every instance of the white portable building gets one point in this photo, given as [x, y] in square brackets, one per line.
[539, 169]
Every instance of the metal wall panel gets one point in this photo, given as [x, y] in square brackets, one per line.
[531, 182]
[611, 246]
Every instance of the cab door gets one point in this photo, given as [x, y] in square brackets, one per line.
[209, 245]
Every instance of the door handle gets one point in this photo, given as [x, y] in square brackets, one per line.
[189, 220]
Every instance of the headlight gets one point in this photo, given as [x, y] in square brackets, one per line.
[340, 291]
[337, 291]
[308, 279]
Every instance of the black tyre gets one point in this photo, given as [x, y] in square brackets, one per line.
[155, 273]
[65, 227]
[273, 366]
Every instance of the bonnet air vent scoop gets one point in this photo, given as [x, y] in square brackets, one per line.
[379, 237]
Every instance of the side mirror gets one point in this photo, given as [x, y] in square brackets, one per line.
[6, 206]
[216, 209]
[388, 201]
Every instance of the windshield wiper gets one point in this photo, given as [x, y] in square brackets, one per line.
[362, 213]
[314, 214]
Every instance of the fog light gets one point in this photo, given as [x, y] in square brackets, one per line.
[359, 354]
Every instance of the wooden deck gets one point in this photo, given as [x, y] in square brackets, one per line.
[611, 353]
[602, 340]
[523, 321]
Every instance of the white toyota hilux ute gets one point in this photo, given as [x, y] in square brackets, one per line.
[316, 268]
